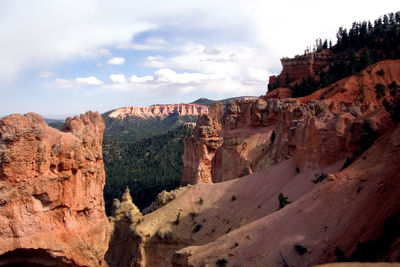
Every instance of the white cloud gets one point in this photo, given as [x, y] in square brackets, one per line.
[145, 79]
[242, 64]
[151, 43]
[89, 81]
[167, 82]
[46, 74]
[78, 82]
[116, 61]
[118, 78]
[38, 33]
[104, 52]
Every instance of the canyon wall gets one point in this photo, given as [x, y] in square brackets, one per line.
[160, 110]
[294, 69]
[256, 134]
[51, 192]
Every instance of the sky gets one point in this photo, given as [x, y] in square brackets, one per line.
[64, 57]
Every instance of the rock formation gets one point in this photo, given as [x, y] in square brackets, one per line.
[160, 110]
[237, 221]
[124, 248]
[299, 67]
[256, 134]
[200, 149]
[51, 184]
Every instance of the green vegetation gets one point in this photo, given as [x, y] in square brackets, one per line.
[380, 90]
[200, 202]
[394, 88]
[380, 72]
[348, 162]
[193, 215]
[133, 128]
[393, 108]
[283, 201]
[221, 262]
[197, 228]
[59, 125]
[203, 101]
[374, 250]
[368, 136]
[319, 178]
[147, 166]
[364, 44]
[273, 136]
[300, 249]
[178, 218]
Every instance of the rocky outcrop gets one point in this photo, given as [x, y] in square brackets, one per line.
[294, 69]
[353, 215]
[256, 134]
[51, 184]
[125, 243]
[164, 198]
[240, 221]
[199, 150]
[160, 110]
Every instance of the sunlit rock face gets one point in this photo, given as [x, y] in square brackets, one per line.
[51, 192]
[160, 110]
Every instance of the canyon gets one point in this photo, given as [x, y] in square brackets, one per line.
[312, 188]
[270, 181]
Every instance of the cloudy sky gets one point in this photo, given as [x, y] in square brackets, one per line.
[69, 56]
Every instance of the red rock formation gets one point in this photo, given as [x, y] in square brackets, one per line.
[257, 134]
[294, 69]
[51, 184]
[160, 110]
[200, 149]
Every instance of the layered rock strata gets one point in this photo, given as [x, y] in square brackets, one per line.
[294, 69]
[51, 184]
[256, 134]
[199, 150]
[160, 110]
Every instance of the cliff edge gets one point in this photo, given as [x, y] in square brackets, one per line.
[51, 185]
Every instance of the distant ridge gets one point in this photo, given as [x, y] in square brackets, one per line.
[160, 110]
[207, 102]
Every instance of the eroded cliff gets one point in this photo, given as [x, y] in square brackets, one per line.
[160, 110]
[315, 130]
[294, 69]
[51, 184]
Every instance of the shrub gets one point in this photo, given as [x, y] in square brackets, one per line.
[380, 72]
[348, 162]
[221, 262]
[283, 201]
[368, 135]
[197, 228]
[393, 108]
[394, 88]
[300, 249]
[200, 202]
[319, 178]
[380, 90]
[178, 217]
[233, 198]
[273, 136]
[393, 85]
[193, 215]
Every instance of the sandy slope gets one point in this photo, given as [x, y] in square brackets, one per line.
[348, 208]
